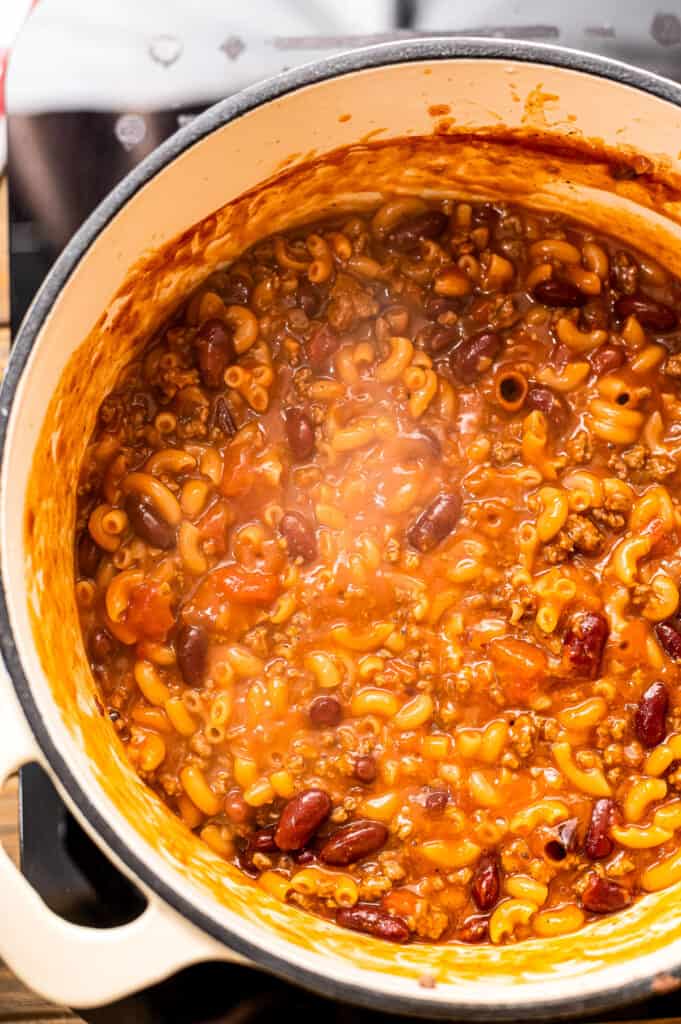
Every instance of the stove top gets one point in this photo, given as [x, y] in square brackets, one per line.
[89, 96]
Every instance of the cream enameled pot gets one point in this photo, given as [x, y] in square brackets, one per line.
[254, 164]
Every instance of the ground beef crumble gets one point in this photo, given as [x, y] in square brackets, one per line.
[429, 922]
[503, 452]
[640, 465]
[579, 535]
[349, 304]
[610, 519]
[580, 447]
[523, 736]
[673, 366]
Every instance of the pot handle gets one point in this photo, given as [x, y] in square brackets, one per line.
[71, 964]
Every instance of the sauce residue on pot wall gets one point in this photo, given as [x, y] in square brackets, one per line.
[439, 109]
[579, 180]
[536, 102]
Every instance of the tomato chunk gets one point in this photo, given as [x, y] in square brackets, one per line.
[150, 613]
[213, 526]
[403, 902]
[520, 666]
[234, 584]
[238, 475]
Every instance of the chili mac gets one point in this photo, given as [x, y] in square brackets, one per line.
[378, 570]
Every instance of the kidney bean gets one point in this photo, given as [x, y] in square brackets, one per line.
[236, 808]
[436, 305]
[222, 418]
[669, 639]
[234, 289]
[555, 294]
[412, 230]
[648, 311]
[475, 356]
[601, 896]
[260, 841]
[309, 298]
[473, 929]
[304, 857]
[565, 840]
[88, 555]
[651, 714]
[584, 642]
[435, 522]
[243, 860]
[547, 401]
[322, 345]
[594, 316]
[148, 524]
[301, 818]
[598, 843]
[263, 841]
[486, 883]
[353, 842]
[191, 648]
[436, 800]
[299, 433]
[435, 339]
[606, 358]
[215, 351]
[366, 768]
[300, 536]
[325, 711]
[365, 917]
[101, 646]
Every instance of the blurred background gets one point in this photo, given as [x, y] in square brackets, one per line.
[92, 88]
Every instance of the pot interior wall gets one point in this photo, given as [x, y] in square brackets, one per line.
[197, 213]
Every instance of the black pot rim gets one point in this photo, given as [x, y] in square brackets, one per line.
[432, 49]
